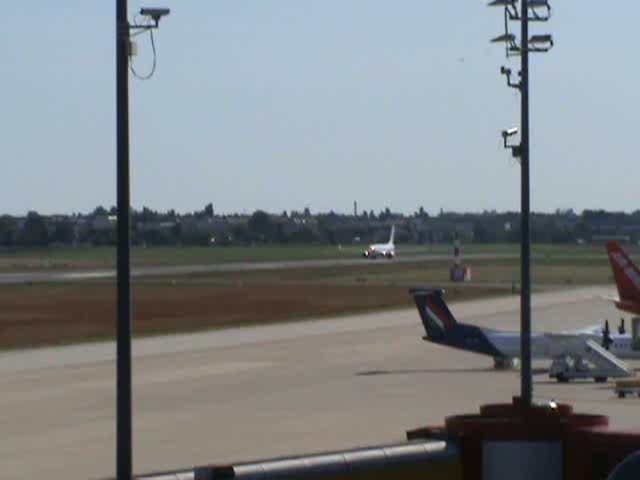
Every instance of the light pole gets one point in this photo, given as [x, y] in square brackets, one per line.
[124, 49]
[529, 11]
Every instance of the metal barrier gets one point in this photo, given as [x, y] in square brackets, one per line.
[414, 460]
[169, 476]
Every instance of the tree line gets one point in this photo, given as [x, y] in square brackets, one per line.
[204, 227]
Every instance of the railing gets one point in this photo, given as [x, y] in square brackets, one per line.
[424, 460]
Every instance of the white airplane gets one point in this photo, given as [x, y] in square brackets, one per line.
[387, 250]
[568, 349]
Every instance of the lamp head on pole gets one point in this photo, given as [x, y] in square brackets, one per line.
[502, 3]
[540, 43]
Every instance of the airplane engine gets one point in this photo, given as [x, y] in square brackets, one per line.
[505, 363]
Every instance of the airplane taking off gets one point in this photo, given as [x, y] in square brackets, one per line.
[387, 250]
[627, 277]
[594, 344]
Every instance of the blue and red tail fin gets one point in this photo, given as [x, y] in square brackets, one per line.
[434, 313]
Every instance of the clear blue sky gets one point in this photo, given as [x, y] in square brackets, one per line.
[287, 103]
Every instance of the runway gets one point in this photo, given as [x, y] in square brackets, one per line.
[66, 276]
[251, 393]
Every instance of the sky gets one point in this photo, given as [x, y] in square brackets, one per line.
[286, 104]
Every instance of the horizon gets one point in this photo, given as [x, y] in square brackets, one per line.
[558, 211]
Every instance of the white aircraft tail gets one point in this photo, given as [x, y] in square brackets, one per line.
[393, 234]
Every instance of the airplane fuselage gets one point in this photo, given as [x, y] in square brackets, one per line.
[502, 344]
[380, 250]
[549, 345]
[387, 250]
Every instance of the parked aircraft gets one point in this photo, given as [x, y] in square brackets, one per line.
[627, 277]
[387, 250]
[569, 350]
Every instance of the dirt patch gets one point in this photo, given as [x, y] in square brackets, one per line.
[60, 314]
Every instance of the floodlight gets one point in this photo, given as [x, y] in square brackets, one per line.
[535, 13]
[541, 39]
[540, 43]
[502, 3]
[510, 8]
[506, 38]
[509, 39]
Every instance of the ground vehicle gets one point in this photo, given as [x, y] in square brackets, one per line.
[565, 368]
[629, 386]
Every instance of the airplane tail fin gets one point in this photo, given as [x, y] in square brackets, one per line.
[393, 234]
[625, 272]
[434, 313]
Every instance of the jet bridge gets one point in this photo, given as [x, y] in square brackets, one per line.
[588, 359]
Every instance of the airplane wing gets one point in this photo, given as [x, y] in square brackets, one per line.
[610, 299]
[592, 330]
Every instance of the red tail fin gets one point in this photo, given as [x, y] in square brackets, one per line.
[625, 272]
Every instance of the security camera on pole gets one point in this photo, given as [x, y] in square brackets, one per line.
[528, 11]
[125, 49]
